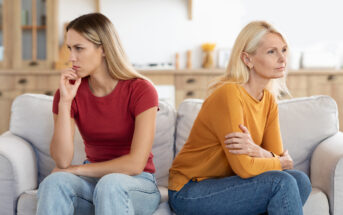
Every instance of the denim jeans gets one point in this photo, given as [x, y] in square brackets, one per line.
[65, 193]
[274, 192]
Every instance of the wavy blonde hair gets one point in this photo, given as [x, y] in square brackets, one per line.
[98, 29]
[248, 41]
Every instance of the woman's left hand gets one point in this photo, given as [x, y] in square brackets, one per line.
[243, 144]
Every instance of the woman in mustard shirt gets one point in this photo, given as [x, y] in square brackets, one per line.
[233, 161]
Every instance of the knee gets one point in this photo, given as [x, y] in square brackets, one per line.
[285, 180]
[110, 184]
[54, 182]
[303, 181]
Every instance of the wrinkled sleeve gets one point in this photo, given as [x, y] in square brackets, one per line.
[272, 140]
[227, 115]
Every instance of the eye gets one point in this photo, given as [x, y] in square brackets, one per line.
[69, 48]
[78, 48]
[284, 50]
[270, 52]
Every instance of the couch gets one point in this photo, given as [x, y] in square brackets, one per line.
[309, 128]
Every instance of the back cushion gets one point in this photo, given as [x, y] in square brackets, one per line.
[304, 122]
[32, 120]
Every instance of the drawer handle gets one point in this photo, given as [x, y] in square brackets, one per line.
[190, 81]
[190, 93]
[22, 81]
[331, 77]
[48, 93]
[33, 63]
[0, 93]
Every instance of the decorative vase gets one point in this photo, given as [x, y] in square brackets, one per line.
[208, 61]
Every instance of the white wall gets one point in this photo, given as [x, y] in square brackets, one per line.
[154, 30]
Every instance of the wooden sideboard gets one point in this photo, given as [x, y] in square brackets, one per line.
[188, 84]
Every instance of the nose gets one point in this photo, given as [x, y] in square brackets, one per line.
[72, 57]
[282, 57]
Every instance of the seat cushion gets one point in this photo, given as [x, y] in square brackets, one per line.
[32, 120]
[317, 203]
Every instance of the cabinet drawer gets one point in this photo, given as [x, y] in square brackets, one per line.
[185, 82]
[25, 82]
[47, 82]
[6, 82]
[319, 85]
[181, 95]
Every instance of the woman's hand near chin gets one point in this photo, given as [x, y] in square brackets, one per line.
[69, 83]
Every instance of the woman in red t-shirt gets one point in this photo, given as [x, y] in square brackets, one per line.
[115, 110]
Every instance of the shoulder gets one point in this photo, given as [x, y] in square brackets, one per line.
[227, 90]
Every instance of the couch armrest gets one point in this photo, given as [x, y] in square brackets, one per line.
[327, 171]
[18, 170]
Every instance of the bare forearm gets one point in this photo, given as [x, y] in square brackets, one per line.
[62, 147]
[266, 154]
[125, 164]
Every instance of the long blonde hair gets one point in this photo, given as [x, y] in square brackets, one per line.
[248, 41]
[98, 29]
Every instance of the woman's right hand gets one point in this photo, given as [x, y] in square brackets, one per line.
[68, 90]
[286, 161]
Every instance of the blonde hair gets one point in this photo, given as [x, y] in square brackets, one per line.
[248, 41]
[98, 29]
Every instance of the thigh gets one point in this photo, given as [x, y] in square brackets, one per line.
[141, 189]
[68, 184]
[230, 195]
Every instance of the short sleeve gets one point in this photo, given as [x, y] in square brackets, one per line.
[144, 96]
[57, 100]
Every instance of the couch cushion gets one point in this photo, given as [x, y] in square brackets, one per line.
[163, 148]
[317, 203]
[304, 122]
[32, 119]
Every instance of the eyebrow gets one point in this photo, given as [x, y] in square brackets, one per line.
[73, 45]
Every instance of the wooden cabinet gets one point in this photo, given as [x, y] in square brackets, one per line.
[30, 33]
[15, 83]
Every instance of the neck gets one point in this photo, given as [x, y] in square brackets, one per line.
[255, 86]
[101, 83]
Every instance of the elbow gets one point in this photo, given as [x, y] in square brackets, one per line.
[245, 173]
[62, 164]
[137, 170]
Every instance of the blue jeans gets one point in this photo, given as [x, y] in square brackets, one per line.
[65, 193]
[275, 192]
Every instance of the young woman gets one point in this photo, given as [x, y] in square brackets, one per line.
[115, 110]
[233, 161]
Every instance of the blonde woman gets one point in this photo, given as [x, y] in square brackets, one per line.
[115, 110]
[233, 161]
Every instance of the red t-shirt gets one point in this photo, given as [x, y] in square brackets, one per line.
[107, 123]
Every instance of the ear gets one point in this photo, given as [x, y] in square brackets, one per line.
[247, 60]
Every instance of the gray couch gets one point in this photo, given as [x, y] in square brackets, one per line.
[309, 128]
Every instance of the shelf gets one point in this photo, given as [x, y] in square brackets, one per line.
[30, 27]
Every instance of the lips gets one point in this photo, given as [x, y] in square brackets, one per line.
[76, 67]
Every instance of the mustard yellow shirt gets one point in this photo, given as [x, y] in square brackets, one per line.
[204, 154]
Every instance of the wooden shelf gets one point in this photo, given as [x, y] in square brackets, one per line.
[31, 27]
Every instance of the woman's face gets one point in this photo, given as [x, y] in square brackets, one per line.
[85, 55]
[270, 59]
